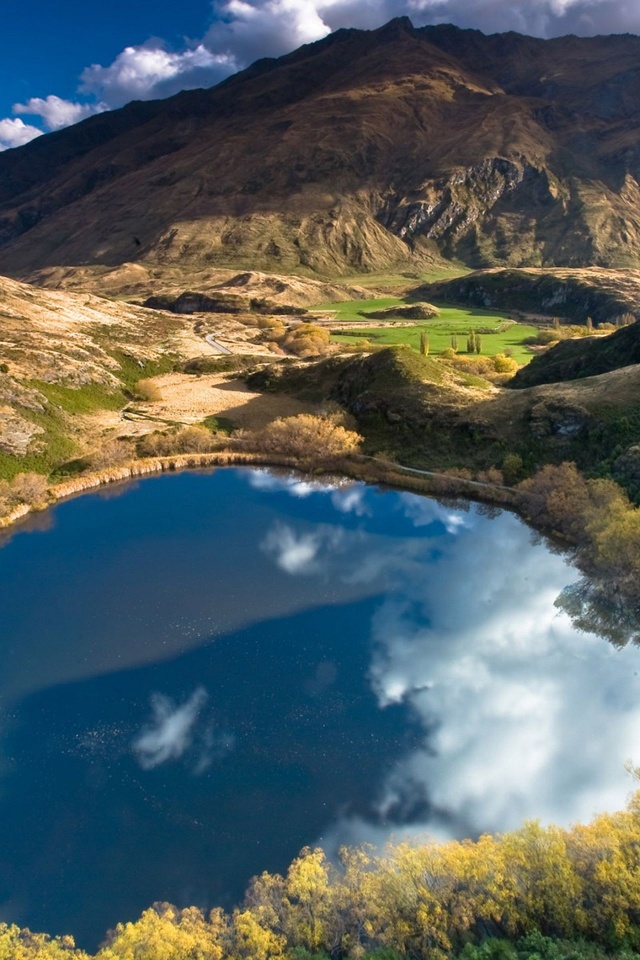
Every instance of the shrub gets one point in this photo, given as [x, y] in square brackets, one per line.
[504, 364]
[147, 390]
[111, 453]
[512, 468]
[25, 488]
[492, 476]
[31, 488]
[305, 435]
[196, 439]
[306, 340]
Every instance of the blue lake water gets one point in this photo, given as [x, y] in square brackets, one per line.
[202, 673]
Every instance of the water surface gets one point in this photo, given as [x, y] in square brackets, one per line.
[207, 671]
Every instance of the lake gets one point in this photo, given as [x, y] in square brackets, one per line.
[203, 672]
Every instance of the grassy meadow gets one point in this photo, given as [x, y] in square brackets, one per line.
[498, 333]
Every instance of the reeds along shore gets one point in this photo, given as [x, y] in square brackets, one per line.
[353, 467]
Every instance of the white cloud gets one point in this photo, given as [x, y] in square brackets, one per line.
[295, 553]
[171, 731]
[352, 499]
[15, 133]
[522, 715]
[58, 113]
[148, 71]
[293, 484]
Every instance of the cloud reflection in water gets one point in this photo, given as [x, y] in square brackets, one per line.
[523, 715]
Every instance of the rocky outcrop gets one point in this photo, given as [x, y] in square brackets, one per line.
[228, 303]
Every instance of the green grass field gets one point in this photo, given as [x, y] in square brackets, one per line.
[452, 320]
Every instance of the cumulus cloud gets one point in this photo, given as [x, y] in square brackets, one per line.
[171, 731]
[15, 133]
[148, 71]
[269, 482]
[56, 112]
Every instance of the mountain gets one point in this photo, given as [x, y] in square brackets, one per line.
[365, 150]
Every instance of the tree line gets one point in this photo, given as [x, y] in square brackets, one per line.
[545, 893]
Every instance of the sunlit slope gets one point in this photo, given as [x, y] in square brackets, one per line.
[363, 151]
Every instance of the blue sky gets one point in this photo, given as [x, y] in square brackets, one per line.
[45, 44]
[62, 60]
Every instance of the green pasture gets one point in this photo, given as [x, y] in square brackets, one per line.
[461, 321]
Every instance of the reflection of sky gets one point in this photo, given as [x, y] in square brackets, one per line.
[523, 716]
[210, 671]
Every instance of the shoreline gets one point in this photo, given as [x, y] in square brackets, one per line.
[355, 467]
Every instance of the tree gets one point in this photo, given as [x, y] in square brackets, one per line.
[454, 342]
[424, 344]
[477, 344]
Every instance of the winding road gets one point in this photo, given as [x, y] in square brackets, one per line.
[215, 345]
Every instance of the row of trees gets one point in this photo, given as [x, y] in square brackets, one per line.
[424, 901]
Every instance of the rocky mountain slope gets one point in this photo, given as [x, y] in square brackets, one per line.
[364, 150]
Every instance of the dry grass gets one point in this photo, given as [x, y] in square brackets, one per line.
[191, 399]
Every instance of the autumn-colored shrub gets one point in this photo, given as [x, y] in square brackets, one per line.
[306, 340]
[305, 435]
[147, 390]
[111, 454]
[194, 439]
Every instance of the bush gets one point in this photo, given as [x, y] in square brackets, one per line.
[194, 439]
[504, 364]
[306, 435]
[492, 476]
[512, 468]
[31, 489]
[306, 340]
[111, 454]
[147, 390]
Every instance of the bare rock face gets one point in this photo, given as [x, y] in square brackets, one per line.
[16, 433]
[364, 151]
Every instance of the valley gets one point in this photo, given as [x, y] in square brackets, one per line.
[366, 319]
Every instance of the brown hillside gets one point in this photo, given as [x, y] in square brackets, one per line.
[573, 294]
[364, 150]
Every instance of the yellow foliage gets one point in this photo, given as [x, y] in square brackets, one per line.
[424, 900]
[166, 933]
[16, 944]
[305, 435]
[254, 941]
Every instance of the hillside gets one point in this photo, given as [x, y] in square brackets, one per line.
[377, 149]
[71, 366]
[571, 294]
[575, 359]
[424, 413]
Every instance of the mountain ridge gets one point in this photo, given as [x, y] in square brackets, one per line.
[362, 151]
